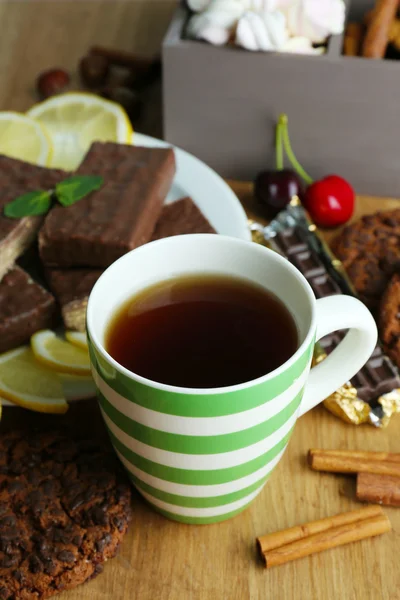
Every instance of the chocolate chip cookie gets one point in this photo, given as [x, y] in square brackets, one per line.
[64, 509]
[389, 319]
[370, 252]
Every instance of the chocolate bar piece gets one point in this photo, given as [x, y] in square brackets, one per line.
[292, 243]
[377, 377]
[25, 307]
[73, 286]
[17, 178]
[290, 234]
[118, 217]
[181, 217]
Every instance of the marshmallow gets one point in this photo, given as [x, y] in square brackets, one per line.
[262, 31]
[301, 45]
[268, 5]
[202, 28]
[198, 5]
[215, 24]
[316, 19]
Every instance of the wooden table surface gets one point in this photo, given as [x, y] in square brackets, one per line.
[159, 559]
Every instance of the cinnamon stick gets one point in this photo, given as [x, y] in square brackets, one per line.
[138, 72]
[368, 16]
[362, 454]
[120, 58]
[377, 36]
[352, 39]
[330, 538]
[348, 461]
[280, 538]
[381, 489]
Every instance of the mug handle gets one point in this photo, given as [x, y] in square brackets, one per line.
[334, 313]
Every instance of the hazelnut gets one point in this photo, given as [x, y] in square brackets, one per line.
[94, 70]
[128, 99]
[52, 82]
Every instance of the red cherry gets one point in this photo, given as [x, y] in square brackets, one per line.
[330, 201]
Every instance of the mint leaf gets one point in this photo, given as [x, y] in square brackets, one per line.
[67, 192]
[27, 205]
[77, 187]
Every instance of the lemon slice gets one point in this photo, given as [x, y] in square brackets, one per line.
[75, 120]
[27, 383]
[58, 354]
[25, 138]
[77, 338]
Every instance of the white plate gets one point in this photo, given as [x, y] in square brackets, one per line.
[213, 197]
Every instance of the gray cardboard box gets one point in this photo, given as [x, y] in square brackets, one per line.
[221, 104]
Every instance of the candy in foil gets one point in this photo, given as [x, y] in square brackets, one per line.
[387, 405]
[296, 237]
[344, 402]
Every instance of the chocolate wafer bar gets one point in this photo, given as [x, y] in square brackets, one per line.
[73, 286]
[293, 235]
[181, 217]
[25, 307]
[17, 178]
[118, 217]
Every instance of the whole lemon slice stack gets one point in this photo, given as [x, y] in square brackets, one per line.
[25, 138]
[74, 120]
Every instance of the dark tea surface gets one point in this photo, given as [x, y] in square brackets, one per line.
[202, 332]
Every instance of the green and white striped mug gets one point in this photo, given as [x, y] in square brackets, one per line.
[202, 455]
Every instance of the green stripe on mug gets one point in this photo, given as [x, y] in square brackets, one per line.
[201, 520]
[198, 502]
[204, 477]
[197, 405]
[204, 512]
[199, 444]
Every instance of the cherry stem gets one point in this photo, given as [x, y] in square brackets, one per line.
[283, 124]
[279, 147]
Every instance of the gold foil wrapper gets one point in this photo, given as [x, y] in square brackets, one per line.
[390, 405]
[344, 403]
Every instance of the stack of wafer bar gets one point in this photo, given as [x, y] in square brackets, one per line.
[294, 236]
[73, 286]
[25, 306]
[78, 242]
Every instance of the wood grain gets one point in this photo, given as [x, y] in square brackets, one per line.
[161, 560]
